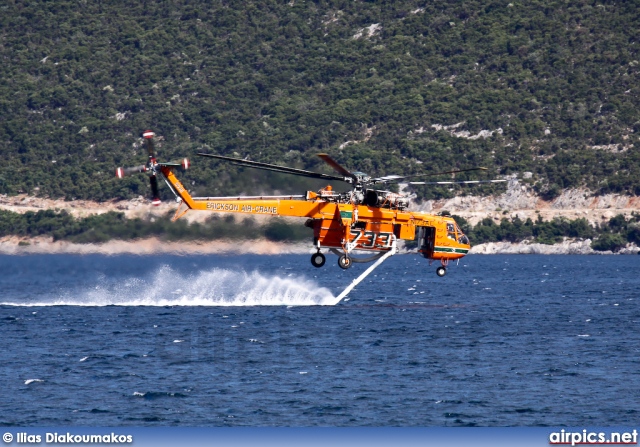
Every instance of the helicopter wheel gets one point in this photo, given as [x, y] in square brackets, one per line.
[318, 259]
[344, 262]
[441, 271]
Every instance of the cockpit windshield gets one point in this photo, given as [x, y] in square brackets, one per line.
[462, 239]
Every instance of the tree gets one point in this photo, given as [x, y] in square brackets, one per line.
[609, 242]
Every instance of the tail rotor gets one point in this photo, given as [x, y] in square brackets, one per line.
[152, 167]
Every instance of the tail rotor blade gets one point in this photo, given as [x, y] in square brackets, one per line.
[122, 172]
[148, 137]
[154, 190]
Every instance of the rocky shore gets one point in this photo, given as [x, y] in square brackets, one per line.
[567, 247]
[519, 200]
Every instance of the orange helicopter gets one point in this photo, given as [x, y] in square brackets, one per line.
[362, 219]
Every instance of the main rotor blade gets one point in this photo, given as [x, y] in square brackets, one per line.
[399, 178]
[336, 166]
[465, 182]
[276, 168]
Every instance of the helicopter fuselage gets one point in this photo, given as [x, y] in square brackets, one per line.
[339, 223]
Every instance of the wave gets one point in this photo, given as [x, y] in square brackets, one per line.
[218, 287]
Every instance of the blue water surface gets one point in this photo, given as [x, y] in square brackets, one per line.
[247, 340]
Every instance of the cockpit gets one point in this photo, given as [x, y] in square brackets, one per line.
[455, 233]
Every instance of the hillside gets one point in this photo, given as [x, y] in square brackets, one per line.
[545, 87]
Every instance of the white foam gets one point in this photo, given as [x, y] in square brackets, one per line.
[30, 381]
[218, 287]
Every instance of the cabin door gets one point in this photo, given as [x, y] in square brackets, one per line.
[427, 238]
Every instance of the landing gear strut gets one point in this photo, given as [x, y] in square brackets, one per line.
[318, 259]
[345, 262]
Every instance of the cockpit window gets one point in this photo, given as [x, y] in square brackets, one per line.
[461, 236]
[451, 231]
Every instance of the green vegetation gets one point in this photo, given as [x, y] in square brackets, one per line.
[554, 83]
[103, 227]
[612, 235]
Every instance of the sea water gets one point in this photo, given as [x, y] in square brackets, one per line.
[258, 341]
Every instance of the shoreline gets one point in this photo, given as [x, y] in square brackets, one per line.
[45, 245]
[518, 201]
